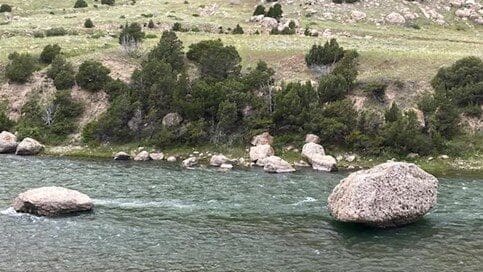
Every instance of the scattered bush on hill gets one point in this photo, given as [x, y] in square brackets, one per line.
[5, 8]
[5, 123]
[238, 30]
[92, 75]
[108, 2]
[328, 54]
[80, 4]
[56, 31]
[88, 23]
[49, 53]
[275, 11]
[131, 36]
[20, 67]
[259, 10]
[215, 60]
[51, 122]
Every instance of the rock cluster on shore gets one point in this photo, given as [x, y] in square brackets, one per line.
[28, 146]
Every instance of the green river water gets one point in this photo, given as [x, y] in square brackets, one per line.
[159, 217]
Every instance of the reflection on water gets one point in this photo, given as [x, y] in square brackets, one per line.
[156, 217]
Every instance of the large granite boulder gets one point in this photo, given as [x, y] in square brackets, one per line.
[274, 164]
[122, 156]
[8, 142]
[29, 146]
[262, 139]
[218, 160]
[315, 154]
[52, 201]
[142, 156]
[395, 18]
[260, 152]
[388, 195]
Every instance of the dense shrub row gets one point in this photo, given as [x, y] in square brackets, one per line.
[274, 11]
[222, 104]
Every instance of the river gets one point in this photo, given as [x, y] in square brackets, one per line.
[159, 217]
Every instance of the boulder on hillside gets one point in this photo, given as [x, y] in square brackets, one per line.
[29, 146]
[142, 156]
[388, 195]
[218, 160]
[312, 138]
[462, 13]
[8, 142]
[274, 164]
[52, 201]
[156, 156]
[269, 22]
[261, 152]
[122, 156]
[358, 15]
[190, 162]
[395, 18]
[172, 119]
[262, 139]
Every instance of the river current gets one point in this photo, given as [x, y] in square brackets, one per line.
[159, 217]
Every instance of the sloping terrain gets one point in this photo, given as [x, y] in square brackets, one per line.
[433, 33]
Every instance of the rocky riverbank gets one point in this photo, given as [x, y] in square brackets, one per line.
[278, 159]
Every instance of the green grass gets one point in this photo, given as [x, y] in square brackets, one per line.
[386, 51]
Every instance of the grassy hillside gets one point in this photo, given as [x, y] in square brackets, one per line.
[400, 52]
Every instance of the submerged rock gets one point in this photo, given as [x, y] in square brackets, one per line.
[260, 152]
[8, 142]
[190, 162]
[29, 146]
[274, 164]
[52, 201]
[122, 156]
[388, 195]
[142, 156]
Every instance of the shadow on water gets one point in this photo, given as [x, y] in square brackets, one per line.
[352, 233]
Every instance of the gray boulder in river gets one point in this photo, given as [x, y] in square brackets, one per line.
[388, 195]
[8, 142]
[52, 201]
[29, 146]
